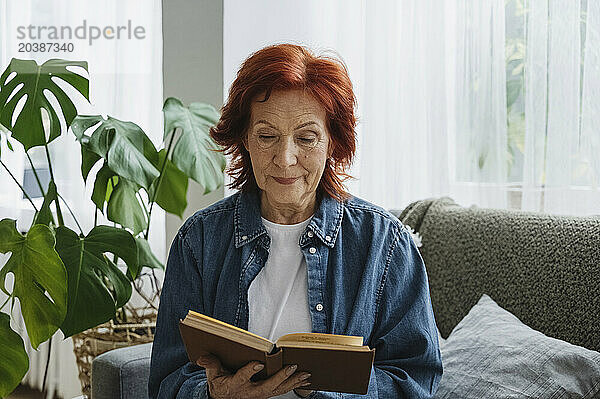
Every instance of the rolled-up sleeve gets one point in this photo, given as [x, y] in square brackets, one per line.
[172, 375]
[408, 361]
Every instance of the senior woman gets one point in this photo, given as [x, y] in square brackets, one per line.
[291, 251]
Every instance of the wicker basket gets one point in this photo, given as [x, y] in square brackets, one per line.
[95, 341]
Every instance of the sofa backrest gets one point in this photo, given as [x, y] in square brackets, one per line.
[544, 269]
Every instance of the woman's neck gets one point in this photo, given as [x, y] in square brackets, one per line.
[287, 213]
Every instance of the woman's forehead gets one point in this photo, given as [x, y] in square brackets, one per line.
[287, 106]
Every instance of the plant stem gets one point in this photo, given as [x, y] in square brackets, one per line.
[143, 206]
[21, 187]
[58, 211]
[160, 176]
[47, 364]
[156, 283]
[144, 297]
[115, 257]
[71, 212]
[37, 178]
[120, 316]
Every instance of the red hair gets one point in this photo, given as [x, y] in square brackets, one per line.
[289, 67]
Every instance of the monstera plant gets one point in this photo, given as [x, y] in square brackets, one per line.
[71, 280]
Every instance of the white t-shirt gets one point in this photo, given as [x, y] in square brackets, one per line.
[278, 296]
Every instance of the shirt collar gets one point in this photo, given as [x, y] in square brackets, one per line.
[325, 223]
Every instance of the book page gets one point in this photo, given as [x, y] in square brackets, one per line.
[320, 339]
[312, 345]
[227, 330]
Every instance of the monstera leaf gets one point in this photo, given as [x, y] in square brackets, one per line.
[145, 256]
[124, 145]
[4, 134]
[13, 358]
[97, 287]
[34, 80]
[124, 207]
[88, 158]
[120, 194]
[192, 152]
[40, 278]
[106, 180]
[170, 189]
[44, 215]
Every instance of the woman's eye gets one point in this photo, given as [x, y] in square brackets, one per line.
[266, 140]
[307, 140]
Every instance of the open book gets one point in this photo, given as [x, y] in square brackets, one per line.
[338, 363]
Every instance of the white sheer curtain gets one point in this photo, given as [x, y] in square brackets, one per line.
[433, 111]
[126, 83]
[476, 96]
[431, 81]
[429, 93]
[562, 99]
[404, 112]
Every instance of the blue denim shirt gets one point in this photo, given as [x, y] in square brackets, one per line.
[366, 274]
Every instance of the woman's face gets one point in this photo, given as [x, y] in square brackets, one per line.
[288, 142]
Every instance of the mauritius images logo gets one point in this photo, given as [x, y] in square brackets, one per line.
[84, 31]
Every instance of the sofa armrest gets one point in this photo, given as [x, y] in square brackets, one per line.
[122, 373]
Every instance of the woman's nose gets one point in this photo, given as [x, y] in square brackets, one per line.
[286, 153]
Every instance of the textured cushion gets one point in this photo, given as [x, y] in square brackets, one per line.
[491, 354]
[122, 373]
[544, 269]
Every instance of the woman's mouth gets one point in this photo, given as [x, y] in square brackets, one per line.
[282, 180]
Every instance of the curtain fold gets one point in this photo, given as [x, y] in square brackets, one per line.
[440, 110]
[562, 157]
[125, 83]
[589, 141]
[535, 105]
[477, 99]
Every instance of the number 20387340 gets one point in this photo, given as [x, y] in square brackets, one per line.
[46, 47]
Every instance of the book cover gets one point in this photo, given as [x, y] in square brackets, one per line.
[337, 363]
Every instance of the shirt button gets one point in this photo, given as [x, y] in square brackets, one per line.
[244, 237]
[310, 234]
[319, 307]
[327, 238]
[312, 250]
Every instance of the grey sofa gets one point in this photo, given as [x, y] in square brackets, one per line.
[544, 269]
[122, 373]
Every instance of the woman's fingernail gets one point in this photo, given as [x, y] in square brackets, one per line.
[258, 367]
[290, 370]
[305, 376]
[305, 384]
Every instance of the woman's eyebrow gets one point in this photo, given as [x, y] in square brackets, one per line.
[300, 126]
[265, 122]
[307, 124]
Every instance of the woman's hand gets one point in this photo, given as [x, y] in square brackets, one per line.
[224, 385]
